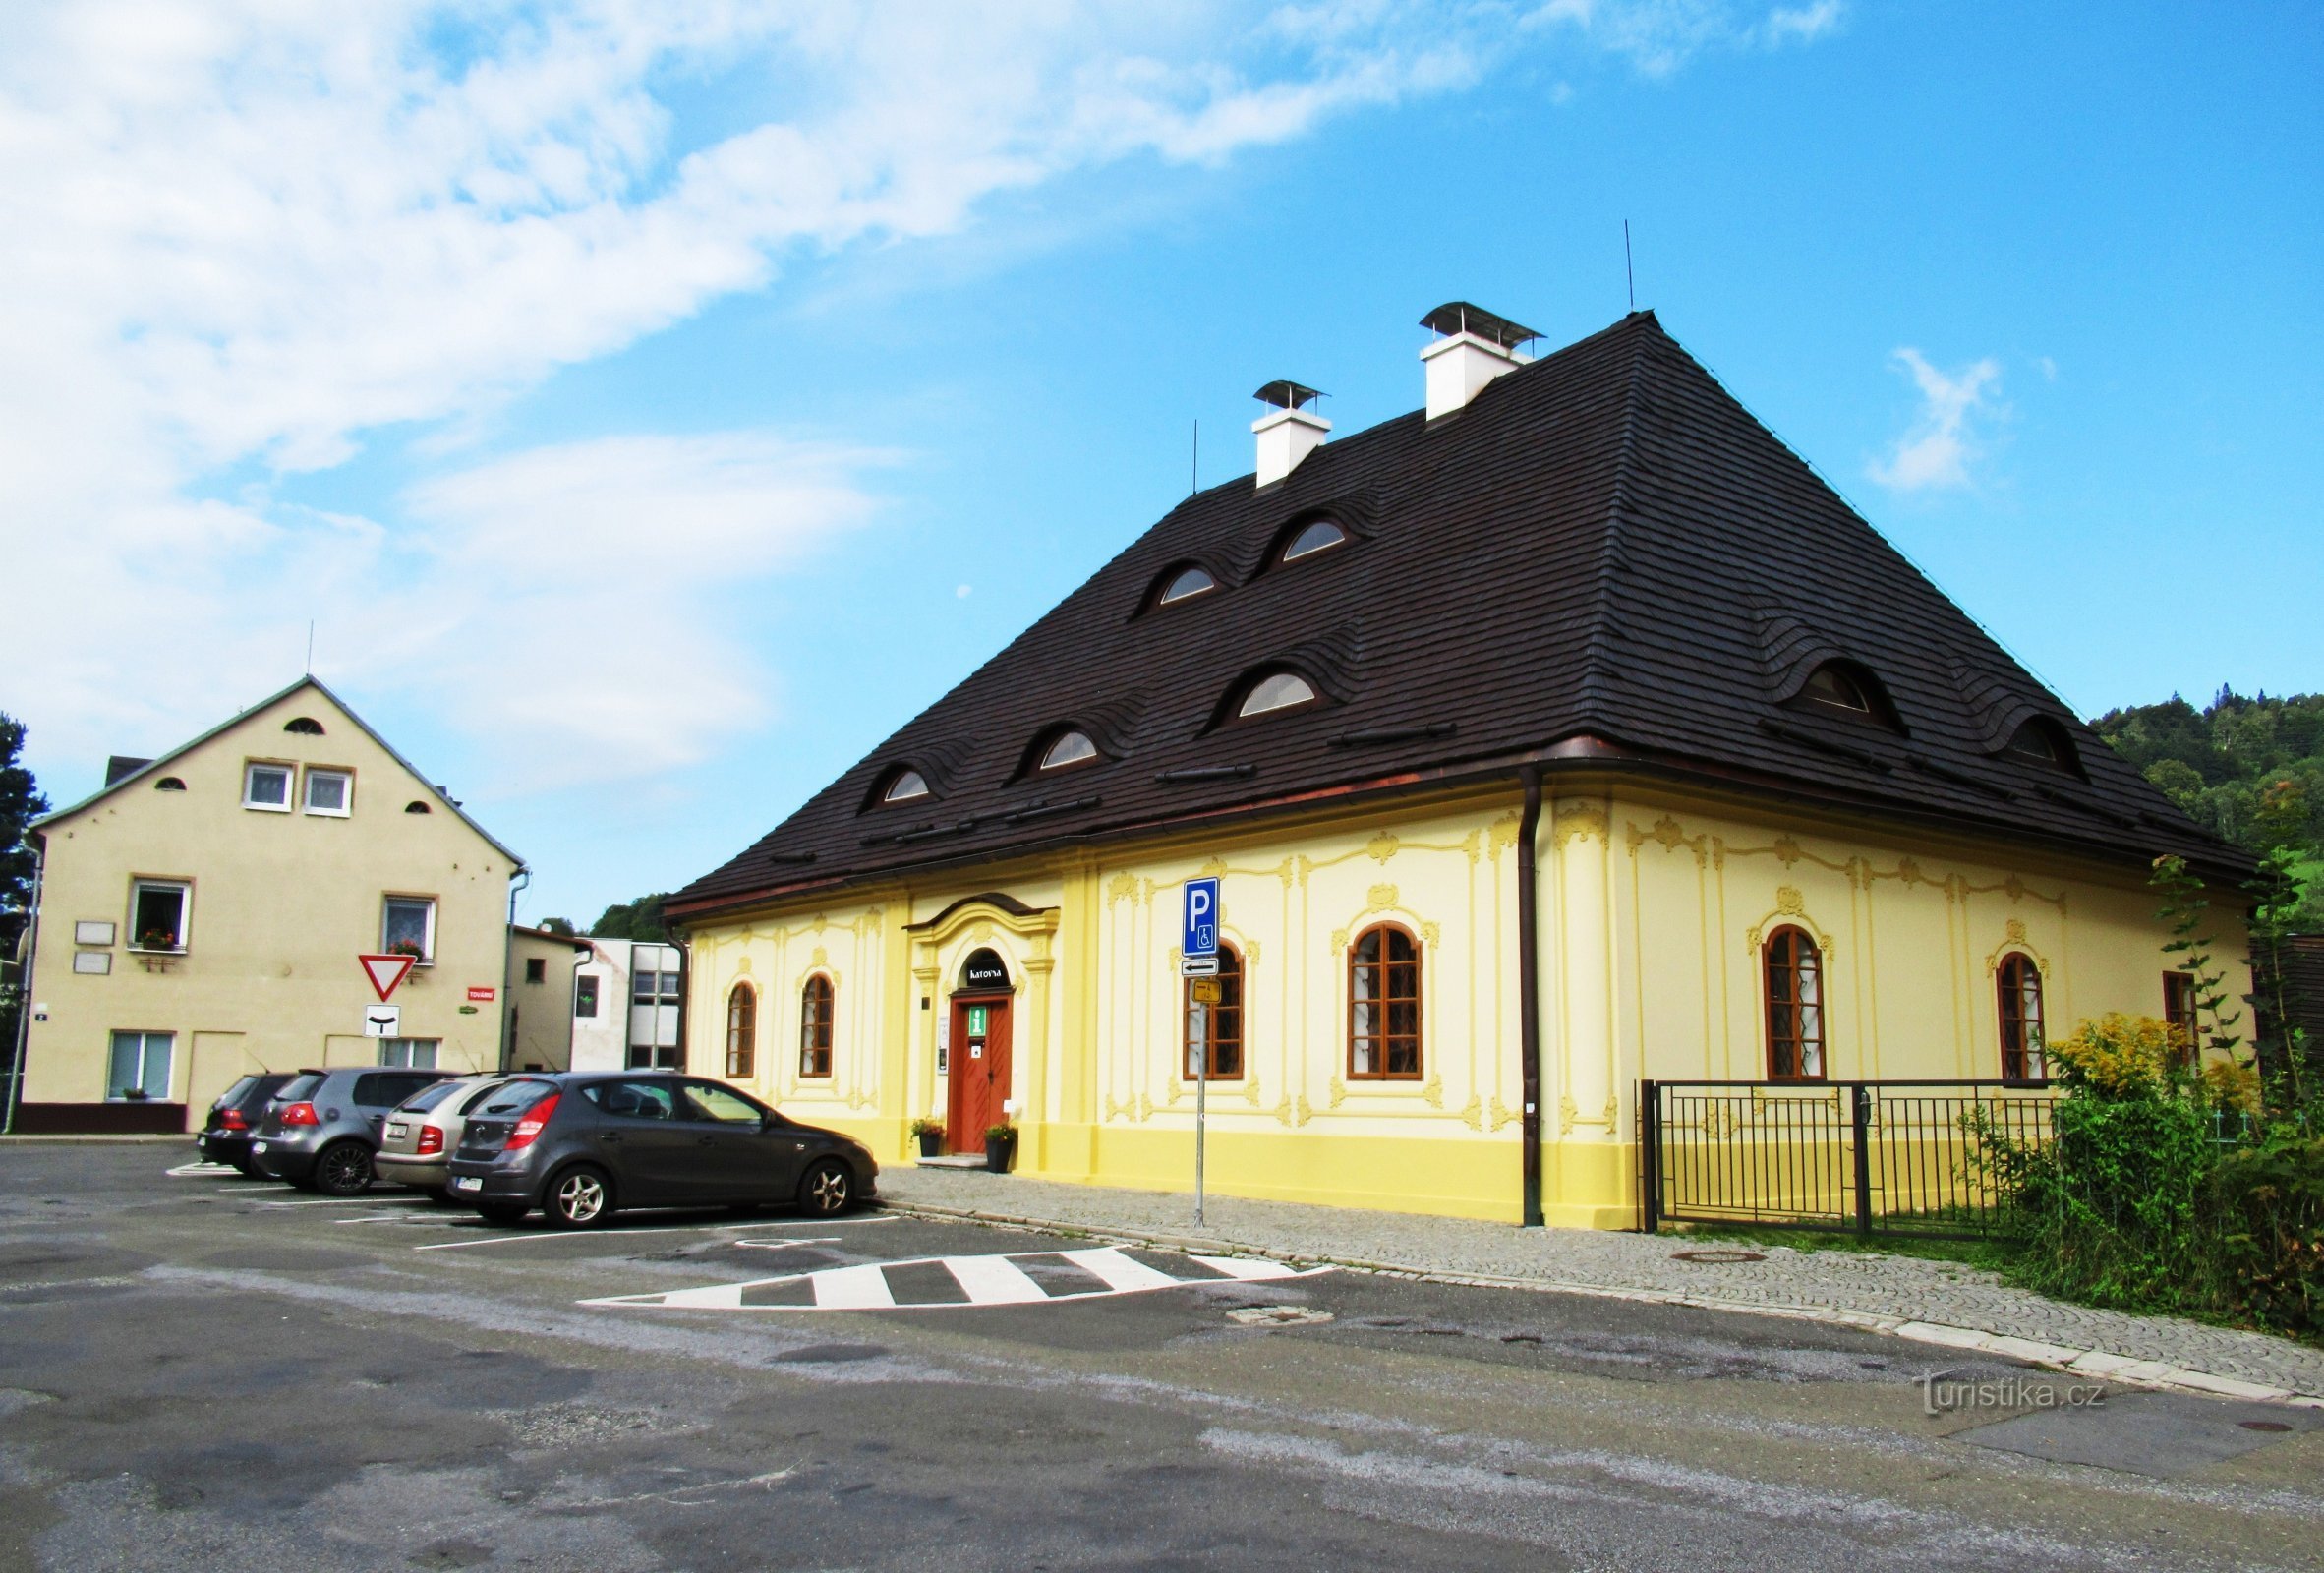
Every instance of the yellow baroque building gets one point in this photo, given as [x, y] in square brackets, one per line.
[1526, 778]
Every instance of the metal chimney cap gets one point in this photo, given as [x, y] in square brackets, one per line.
[1288, 395]
[1459, 317]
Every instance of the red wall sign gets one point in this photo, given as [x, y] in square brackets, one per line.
[481, 993]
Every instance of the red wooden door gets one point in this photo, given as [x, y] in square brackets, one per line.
[979, 1070]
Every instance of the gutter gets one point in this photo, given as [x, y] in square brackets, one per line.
[520, 881]
[1529, 1001]
[24, 1003]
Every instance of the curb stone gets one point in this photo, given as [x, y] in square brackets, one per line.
[2098, 1363]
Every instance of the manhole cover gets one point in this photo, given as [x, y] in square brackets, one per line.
[1717, 1258]
[1276, 1316]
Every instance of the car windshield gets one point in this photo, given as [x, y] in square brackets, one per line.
[427, 1097]
[479, 1095]
[515, 1097]
[233, 1095]
[297, 1087]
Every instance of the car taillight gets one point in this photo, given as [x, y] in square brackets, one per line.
[298, 1114]
[528, 1128]
[430, 1140]
[232, 1120]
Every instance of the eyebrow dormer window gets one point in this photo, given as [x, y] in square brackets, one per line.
[906, 785]
[2045, 743]
[1321, 536]
[1070, 748]
[1280, 690]
[1843, 690]
[1184, 584]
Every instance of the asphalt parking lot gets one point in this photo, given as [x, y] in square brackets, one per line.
[198, 1370]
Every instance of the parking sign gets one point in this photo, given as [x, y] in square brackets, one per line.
[1201, 937]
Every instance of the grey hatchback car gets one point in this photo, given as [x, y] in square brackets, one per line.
[417, 1143]
[324, 1126]
[581, 1146]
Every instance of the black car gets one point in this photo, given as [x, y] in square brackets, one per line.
[324, 1126]
[581, 1146]
[226, 1136]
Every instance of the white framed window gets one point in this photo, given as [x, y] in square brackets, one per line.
[409, 1053]
[266, 788]
[160, 915]
[330, 793]
[139, 1067]
[407, 927]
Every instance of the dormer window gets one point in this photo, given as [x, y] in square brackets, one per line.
[1068, 748]
[2044, 742]
[1321, 534]
[1184, 583]
[1843, 690]
[1278, 690]
[907, 785]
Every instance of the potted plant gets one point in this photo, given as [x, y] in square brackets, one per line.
[133, 1094]
[999, 1147]
[930, 1134]
[158, 939]
[410, 947]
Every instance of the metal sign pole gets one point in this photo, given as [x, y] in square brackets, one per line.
[1201, 1095]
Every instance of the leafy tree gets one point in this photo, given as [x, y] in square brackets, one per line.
[640, 919]
[20, 803]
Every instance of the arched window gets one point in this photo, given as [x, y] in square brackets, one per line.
[2019, 984]
[1070, 748]
[1278, 690]
[2044, 742]
[1795, 1007]
[169, 783]
[1219, 1027]
[303, 726]
[1384, 1006]
[1321, 536]
[415, 806]
[743, 1031]
[815, 1026]
[906, 785]
[1184, 583]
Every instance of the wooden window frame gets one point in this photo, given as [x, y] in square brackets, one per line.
[1232, 977]
[1384, 1002]
[743, 1031]
[1787, 1031]
[2179, 1008]
[2014, 1020]
[815, 1026]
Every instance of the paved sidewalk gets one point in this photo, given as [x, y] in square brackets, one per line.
[1936, 1302]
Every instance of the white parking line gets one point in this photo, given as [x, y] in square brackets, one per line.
[352, 1201]
[995, 1280]
[200, 1169]
[657, 1229]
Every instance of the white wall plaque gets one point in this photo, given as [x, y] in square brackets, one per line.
[88, 931]
[99, 963]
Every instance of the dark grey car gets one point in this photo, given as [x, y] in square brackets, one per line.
[324, 1126]
[582, 1146]
[225, 1137]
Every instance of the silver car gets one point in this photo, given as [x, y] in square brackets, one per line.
[417, 1142]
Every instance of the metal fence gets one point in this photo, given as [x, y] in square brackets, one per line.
[1871, 1157]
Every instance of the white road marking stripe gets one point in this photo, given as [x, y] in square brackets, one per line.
[863, 1288]
[785, 1244]
[649, 1229]
[991, 1281]
[201, 1169]
[1255, 1269]
[1120, 1272]
[377, 1217]
[351, 1202]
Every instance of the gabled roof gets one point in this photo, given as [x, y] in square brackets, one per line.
[1604, 545]
[160, 767]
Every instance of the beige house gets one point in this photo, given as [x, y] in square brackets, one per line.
[202, 917]
[540, 988]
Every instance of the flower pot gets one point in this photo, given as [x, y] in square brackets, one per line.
[932, 1143]
[1000, 1153]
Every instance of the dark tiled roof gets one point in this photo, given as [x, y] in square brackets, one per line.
[1602, 543]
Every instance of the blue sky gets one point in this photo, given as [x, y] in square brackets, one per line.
[655, 406]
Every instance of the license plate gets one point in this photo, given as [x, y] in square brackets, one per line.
[257, 1146]
[397, 1129]
[468, 1182]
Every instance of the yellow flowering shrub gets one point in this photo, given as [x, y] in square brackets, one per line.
[2233, 1086]
[2116, 1056]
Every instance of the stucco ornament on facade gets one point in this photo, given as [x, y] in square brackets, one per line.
[2013, 939]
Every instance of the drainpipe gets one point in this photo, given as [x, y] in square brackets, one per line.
[518, 883]
[23, 991]
[1528, 1004]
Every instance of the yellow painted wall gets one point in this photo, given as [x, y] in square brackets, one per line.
[282, 905]
[1651, 911]
[541, 1029]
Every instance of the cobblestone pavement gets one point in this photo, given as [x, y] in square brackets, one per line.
[1936, 1302]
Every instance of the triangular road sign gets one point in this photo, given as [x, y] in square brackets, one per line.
[385, 971]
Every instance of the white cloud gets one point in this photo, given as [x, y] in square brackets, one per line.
[1946, 437]
[1801, 23]
[1658, 36]
[246, 235]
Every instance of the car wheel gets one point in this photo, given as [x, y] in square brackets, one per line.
[581, 1197]
[502, 1213]
[344, 1170]
[827, 1191]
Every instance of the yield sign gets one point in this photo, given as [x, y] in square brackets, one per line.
[385, 971]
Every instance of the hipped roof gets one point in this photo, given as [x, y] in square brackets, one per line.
[1603, 545]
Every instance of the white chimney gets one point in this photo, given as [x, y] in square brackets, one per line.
[1473, 348]
[1288, 434]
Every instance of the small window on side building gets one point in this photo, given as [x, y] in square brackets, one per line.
[585, 995]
